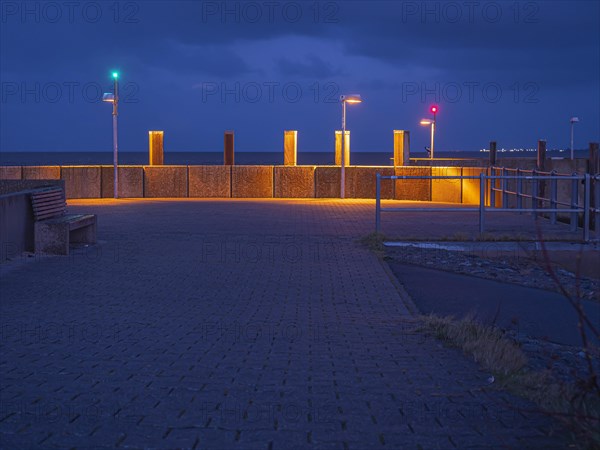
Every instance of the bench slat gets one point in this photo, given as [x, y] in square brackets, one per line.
[53, 202]
[48, 201]
[43, 218]
[47, 192]
[47, 208]
[47, 196]
[50, 213]
[42, 204]
[48, 204]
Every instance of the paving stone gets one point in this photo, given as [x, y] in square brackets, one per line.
[236, 324]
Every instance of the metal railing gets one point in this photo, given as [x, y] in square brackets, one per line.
[493, 184]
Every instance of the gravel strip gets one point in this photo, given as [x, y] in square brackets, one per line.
[519, 270]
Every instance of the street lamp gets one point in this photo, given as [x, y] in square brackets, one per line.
[352, 99]
[114, 99]
[426, 122]
[573, 121]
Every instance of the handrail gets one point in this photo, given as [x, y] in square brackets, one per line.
[537, 202]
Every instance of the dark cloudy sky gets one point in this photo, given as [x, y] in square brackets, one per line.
[510, 71]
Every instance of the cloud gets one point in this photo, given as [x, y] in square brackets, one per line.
[314, 67]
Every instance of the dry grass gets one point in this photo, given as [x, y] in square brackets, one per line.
[374, 242]
[487, 345]
[576, 405]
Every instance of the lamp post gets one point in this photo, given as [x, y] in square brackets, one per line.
[352, 99]
[425, 122]
[573, 121]
[114, 99]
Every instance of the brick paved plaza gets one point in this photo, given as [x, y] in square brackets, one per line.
[237, 324]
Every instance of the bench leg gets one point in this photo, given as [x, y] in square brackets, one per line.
[85, 235]
[51, 238]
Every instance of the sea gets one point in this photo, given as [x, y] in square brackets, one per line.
[243, 158]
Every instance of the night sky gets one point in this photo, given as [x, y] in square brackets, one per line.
[509, 71]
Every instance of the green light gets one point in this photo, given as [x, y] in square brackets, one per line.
[115, 74]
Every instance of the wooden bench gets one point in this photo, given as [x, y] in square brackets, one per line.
[54, 229]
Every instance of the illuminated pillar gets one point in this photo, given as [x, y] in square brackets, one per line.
[290, 147]
[228, 151]
[155, 147]
[338, 148]
[401, 148]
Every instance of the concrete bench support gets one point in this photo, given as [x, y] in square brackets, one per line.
[54, 230]
[55, 235]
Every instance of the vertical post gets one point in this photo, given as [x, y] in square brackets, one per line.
[594, 162]
[586, 208]
[574, 200]
[155, 148]
[343, 158]
[378, 203]
[541, 155]
[481, 201]
[228, 156]
[432, 136]
[597, 204]
[541, 166]
[519, 190]
[290, 147]
[572, 150]
[553, 195]
[534, 192]
[594, 171]
[492, 185]
[493, 153]
[116, 137]
[504, 190]
[401, 148]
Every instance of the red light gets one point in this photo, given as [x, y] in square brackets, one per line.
[434, 109]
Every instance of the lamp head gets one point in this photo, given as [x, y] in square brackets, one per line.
[351, 98]
[574, 119]
[425, 122]
[115, 75]
[108, 97]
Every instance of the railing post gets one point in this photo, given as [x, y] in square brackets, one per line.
[586, 208]
[553, 195]
[492, 184]
[504, 193]
[519, 190]
[597, 205]
[574, 200]
[481, 200]
[594, 170]
[534, 192]
[378, 203]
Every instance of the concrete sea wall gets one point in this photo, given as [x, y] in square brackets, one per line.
[213, 181]
[274, 181]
